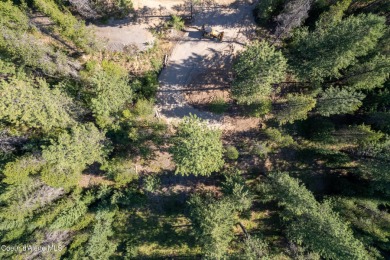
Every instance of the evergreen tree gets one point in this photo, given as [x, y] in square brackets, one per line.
[334, 14]
[108, 90]
[325, 51]
[255, 248]
[101, 244]
[314, 224]
[69, 26]
[213, 221]
[197, 149]
[20, 42]
[334, 101]
[256, 69]
[368, 75]
[70, 154]
[26, 105]
[294, 108]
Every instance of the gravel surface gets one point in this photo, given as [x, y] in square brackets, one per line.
[116, 35]
[194, 56]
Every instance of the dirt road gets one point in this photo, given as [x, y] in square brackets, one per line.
[194, 56]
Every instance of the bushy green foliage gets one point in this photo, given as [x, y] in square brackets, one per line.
[28, 104]
[255, 248]
[338, 101]
[213, 222]
[108, 90]
[101, 244]
[334, 14]
[176, 22]
[325, 51]
[146, 86]
[256, 69]
[370, 74]
[378, 173]
[70, 217]
[218, 106]
[266, 9]
[121, 171]
[314, 224]
[18, 43]
[70, 154]
[17, 172]
[69, 26]
[294, 108]
[151, 183]
[231, 152]
[237, 192]
[197, 149]
[278, 138]
[361, 135]
[259, 108]
[372, 223]
[260, 149]
[47, 141]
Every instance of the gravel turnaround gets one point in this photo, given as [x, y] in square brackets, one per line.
[194, 55]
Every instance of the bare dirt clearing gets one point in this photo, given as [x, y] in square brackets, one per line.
[198, 69]
[197, 63]
[117, 35]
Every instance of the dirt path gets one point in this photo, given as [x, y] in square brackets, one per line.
[194, 56]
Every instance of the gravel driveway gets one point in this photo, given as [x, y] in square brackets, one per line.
[194, 56]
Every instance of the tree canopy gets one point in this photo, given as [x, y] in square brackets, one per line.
[256, 69]
[197, 149]
[314, 224]
[325, 51]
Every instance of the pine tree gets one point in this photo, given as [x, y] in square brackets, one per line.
[314, 224]
[70, 154]
[294, 108]
[197, 149]
[101, 244]
[108, 90]
[368, 75]
[334, 14]
[256, 69]
[334, 101]
[213, 222]
[20, 43]
[325, 51]
[26, 105]
[69, 26]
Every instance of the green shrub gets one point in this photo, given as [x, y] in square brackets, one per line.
[176, 22]
[151, 183]
[259, 108]
[121, 171]
[260, 149]
[231, 152]
[146, 86]
[278, 137]
[218, 106]
[144, 108]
